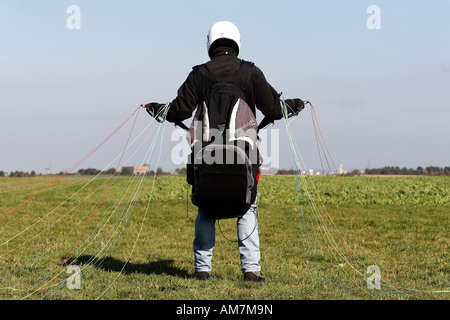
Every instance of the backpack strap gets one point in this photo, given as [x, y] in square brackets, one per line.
[209, 82]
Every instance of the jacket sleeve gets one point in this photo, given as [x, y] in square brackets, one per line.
[267, 99]
[186, 101]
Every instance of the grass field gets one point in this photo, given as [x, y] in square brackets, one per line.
[131, 238]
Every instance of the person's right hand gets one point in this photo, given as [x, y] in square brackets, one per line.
[154, 109]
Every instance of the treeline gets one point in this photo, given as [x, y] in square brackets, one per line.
[428, 171]
[19, 174]
[94, 172]
[89, 171]
[286, 171]
[125, 171]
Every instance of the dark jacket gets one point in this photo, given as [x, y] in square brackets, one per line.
[260, 93]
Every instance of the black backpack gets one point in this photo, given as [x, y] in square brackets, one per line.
[224, 162]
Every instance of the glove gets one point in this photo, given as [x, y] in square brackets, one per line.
[154, 109]
[294, 106]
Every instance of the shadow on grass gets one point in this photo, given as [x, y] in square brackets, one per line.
[115, 265]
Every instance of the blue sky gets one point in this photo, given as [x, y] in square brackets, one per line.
[381, 96]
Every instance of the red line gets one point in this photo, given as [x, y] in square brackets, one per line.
[92, 215]
[56, 221]
[56, 181]
[354, 209]
[331, 202]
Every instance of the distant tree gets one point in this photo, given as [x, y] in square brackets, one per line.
[110, 171]
[431, 170]
[2, 173]
[89, 171]
[180, 171]
[127, 171]
[17, 174]
[286, 171]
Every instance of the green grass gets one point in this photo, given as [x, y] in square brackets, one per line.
[314, 245]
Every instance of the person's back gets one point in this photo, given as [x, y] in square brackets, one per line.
[223, 44]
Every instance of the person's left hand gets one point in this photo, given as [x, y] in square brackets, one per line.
[294, 106]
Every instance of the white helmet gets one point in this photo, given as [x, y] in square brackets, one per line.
[223, 30]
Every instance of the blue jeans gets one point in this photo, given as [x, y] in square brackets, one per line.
[248, 241]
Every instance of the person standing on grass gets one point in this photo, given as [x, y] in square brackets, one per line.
[223, 69]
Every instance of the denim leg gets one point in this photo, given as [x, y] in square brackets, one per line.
[204, 242]
[248, 241]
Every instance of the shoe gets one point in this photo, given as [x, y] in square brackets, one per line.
[254, 276]
[203, 275]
